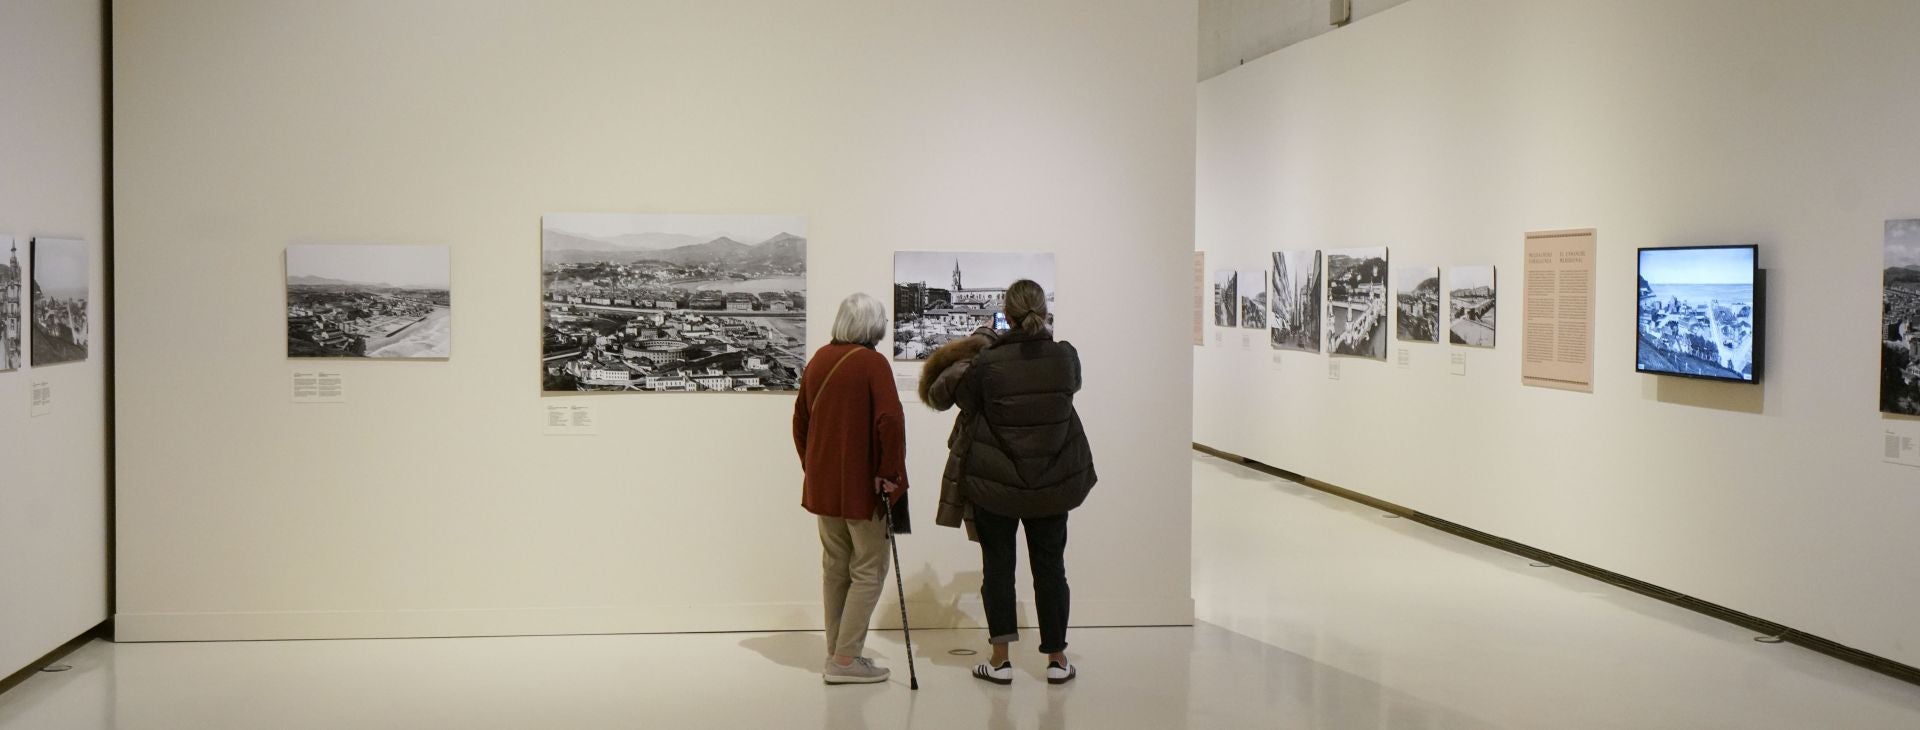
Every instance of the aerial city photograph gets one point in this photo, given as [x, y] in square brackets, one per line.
[369, 301]
[1697, 312]
[673, 303]
[1900, 320]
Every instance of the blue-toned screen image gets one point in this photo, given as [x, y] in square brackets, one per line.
[1698, 314]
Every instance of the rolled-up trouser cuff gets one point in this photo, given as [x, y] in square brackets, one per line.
[1004, 638]
[1044, 649]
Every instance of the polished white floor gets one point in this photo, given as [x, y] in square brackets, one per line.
[1356, 622]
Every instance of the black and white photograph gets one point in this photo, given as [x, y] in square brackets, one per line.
[945, 295]
[1698, 314]
[1470, 305]
[1293, 301]
[369, 301]
[1416, 301]
[11, 322]
[1357, 302]
[1226, 298]
[59, 301]
[1900, 319]
[1252, 293]
[673, 303]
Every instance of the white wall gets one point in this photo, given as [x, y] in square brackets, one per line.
[1445, 129]
[431, 504]
[53, 473]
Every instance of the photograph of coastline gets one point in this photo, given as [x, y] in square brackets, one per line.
[1293, 321]
[673, 303]
[1416, 300]
[369, 301]
[1900, 319]
[11, 322]
[61, 279]
[1357, 302]
[940, 296]
[1470, 304]
[1226, 298]
[1252, 292]
[1697, 312]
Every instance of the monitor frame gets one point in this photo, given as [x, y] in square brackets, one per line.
[1759, 314]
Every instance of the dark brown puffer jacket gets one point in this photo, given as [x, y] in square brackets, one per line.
[940, 378]
[1027, 454]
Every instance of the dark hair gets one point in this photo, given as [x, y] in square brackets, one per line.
[1027, 307]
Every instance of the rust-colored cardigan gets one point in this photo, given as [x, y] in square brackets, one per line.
[849, 433]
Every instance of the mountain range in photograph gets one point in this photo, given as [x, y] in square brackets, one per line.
[673, 303]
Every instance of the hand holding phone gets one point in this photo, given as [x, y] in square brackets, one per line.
[1000, 321]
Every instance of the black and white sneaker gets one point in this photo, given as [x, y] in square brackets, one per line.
[1002, 674]
[1061, 674]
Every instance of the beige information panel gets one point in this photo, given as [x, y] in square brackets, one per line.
[1200, 297]
[1556, 338]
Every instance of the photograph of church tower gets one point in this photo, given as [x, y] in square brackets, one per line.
[941, 296]
[10, 353]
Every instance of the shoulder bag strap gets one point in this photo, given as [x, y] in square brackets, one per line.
[828, 379]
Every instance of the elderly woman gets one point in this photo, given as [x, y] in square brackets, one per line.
[848, 428]
[1018, 458]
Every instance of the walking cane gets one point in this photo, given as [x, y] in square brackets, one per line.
[913, 678]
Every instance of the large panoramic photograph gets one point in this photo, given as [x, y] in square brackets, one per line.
[369, 301]
[1900, 319]
[673, 303]
[940, 296]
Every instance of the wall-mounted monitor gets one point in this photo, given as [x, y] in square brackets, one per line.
[1701, 312]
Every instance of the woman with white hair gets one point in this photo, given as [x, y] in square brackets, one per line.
[851, 435]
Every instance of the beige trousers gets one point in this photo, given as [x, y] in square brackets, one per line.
[853, 566]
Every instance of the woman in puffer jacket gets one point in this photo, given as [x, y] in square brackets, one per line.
[1017, 456]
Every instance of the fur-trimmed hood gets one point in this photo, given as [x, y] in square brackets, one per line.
[940, 369]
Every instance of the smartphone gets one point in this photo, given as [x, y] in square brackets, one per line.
[1000, 321]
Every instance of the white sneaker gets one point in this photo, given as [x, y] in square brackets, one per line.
[1059, 674]
[861, 671]
[1002, 674]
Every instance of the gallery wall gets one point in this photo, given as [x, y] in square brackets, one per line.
[53, 468]
[1445, 130]
[431, 503]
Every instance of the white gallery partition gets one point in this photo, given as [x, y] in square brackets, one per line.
[431, 502]
[53, 459]
[1447, 129]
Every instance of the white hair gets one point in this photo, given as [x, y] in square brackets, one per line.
[862, 320]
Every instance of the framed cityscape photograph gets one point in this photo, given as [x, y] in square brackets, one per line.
[1900, 319]
[1293, 302]
[1471, 295]
[1357, 305]
[11, 306]
[939, 296]
[1416, 301]
[354, 301]
[61, 286]
[673, 303]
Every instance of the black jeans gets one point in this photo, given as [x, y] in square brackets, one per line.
[1046, 554]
